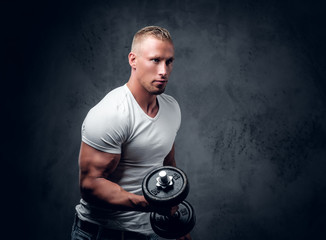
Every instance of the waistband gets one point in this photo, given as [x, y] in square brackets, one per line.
[96, 229]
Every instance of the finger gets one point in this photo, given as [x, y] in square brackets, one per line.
[174, 210]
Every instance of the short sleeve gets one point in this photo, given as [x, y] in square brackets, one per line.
[177, 114]
[104, 129]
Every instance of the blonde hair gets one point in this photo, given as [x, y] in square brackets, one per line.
[153, 31]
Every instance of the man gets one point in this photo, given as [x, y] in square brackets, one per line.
[126, 135]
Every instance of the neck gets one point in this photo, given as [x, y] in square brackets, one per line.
[147, 101]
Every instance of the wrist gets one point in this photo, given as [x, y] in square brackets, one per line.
[139, 203]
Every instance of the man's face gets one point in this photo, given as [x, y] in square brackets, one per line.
[154, 63]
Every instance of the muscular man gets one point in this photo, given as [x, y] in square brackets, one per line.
[127, 134]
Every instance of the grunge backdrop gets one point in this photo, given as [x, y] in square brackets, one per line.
[250, 80]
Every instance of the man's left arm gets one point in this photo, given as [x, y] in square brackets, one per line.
[169, 160]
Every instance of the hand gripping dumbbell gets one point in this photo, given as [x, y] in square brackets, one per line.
[166, 187]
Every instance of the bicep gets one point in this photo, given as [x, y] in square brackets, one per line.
[96, 164]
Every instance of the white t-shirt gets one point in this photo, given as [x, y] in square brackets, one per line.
[117, 124]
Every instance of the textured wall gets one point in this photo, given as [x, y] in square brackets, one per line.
[250, 80]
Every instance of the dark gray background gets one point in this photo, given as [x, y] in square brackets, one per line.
[250, 80]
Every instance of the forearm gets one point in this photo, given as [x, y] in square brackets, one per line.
[103, 192]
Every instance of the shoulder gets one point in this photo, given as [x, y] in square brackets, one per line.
[110, 113]
[168, 102]
[106, 124]
[114, 98]
[112, 105]
[167, 99]
[170, 110]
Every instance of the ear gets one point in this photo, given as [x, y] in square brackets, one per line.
[132, 60]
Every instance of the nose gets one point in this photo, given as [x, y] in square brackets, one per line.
[163, 70]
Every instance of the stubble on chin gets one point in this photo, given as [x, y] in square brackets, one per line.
[155, 90]
[159, 92]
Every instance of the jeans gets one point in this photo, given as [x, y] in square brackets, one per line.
[105, 234]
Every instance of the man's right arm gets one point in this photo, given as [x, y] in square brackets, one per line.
[94, 168]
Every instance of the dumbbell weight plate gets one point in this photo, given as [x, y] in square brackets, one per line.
[169, 196]
[176, 226]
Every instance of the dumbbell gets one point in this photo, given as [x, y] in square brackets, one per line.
[166, 187]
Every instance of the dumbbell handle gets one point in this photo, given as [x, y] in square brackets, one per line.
[163, 180]
[164, 211]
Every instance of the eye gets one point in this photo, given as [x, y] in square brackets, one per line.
[155, 60]
[168, 62]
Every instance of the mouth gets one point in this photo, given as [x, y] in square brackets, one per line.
[160, 81]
